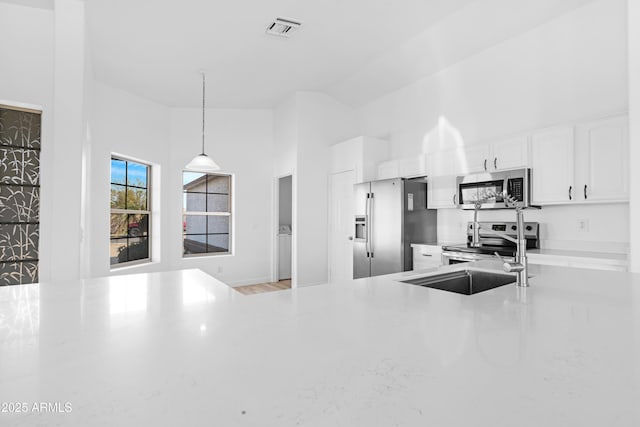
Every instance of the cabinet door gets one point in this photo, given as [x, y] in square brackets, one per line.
[441, 181]
[552, 152]
[509, 153]
[473, 159]
[441, 192]
[603, 148]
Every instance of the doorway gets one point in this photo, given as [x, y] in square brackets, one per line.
[285, 229]
[341, 215]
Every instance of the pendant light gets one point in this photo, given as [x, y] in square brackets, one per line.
[202, 162]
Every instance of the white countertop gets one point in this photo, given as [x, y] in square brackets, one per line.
[180, 348]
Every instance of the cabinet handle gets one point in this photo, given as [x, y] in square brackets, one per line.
[454, 199]
[585, 191]
[485, 164]
[495, 163]
[427, 255]
[570, 190]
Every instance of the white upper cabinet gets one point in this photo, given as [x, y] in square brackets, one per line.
[441, 182]
[472, 159]
[361, 154]
[509, 153]
[602, 160]
[552, 159]
[587, 163]
[409, 167]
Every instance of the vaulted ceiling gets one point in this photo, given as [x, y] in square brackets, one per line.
[356, 50]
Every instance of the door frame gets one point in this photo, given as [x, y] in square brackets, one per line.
[275, 253]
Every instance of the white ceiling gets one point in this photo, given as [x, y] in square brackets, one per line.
[354, 50]
[155, 48]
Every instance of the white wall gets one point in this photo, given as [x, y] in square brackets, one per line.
[634, 121]
[571, 68]
[241, 142]
[306, 124]
[128, 125]
[32, 74]
[322, 121]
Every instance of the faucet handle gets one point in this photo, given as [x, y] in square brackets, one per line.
[509, 267]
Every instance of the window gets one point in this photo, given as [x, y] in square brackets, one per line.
[130, 213]
[207, 217]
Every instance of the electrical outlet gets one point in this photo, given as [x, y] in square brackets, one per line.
[219, 269]
[583, 225]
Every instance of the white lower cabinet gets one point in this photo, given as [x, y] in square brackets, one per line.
[426, 256]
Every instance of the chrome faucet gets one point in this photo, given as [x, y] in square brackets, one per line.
[521, 264]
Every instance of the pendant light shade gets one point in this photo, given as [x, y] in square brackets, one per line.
[202, 162]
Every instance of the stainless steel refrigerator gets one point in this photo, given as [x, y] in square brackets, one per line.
[390, 215]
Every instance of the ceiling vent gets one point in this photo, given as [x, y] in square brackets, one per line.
[283, 27]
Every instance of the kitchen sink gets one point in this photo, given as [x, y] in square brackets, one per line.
[467, 282]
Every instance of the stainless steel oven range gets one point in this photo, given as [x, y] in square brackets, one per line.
[490, 244]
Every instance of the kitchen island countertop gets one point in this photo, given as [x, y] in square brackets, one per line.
[181, 348]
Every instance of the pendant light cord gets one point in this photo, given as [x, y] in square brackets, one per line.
[203, 87]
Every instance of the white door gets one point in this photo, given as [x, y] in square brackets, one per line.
[552, 166]
[603, 148]
[341, 223]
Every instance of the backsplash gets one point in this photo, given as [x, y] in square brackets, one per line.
[596, 227]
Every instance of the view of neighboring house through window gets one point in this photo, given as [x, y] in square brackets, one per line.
[206, 213]
[130, 212]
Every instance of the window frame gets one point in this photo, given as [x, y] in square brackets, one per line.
[230, 214]
[121, 211]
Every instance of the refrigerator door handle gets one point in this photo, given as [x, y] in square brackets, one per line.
[367, 225]
[370, 239]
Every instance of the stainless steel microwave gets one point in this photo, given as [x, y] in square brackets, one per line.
[489, 188]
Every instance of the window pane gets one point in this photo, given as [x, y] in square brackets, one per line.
[136, 199]
[195, 202]
[118, 171]
[138, 225]
[138, 248]
[218, 224]
[117, 196]
[218, 184]
[195, 224]
[192, 180]
[119, 225]
[217, 203]
[118, 251]
[218, 243]
[196, 244]
[136, 174]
